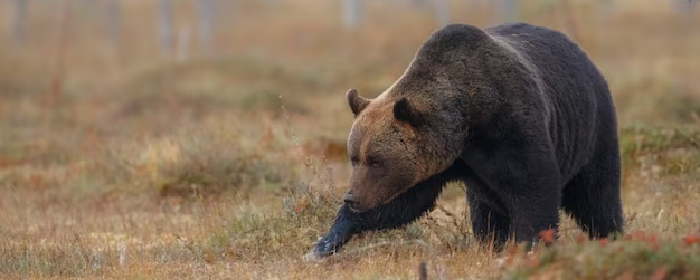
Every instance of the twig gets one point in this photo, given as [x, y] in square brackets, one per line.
[422, 271]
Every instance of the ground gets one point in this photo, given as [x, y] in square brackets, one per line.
[230, 167]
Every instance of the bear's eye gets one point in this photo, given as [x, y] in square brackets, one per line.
[354, 160]
[373, 162]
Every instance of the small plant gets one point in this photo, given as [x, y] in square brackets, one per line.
[638, 255]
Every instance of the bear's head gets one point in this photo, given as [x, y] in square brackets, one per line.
[388, 151]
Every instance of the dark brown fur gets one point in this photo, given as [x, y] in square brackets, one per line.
[517, 112]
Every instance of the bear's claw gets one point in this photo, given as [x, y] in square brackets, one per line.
[312, 256]
[322, 249]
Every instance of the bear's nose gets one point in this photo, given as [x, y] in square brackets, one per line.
[349, 199]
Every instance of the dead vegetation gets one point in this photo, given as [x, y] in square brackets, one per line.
[231, 167]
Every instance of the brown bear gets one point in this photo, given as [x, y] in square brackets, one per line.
[516, 112]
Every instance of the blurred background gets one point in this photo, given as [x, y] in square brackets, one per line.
[114, 107]
[77, 74]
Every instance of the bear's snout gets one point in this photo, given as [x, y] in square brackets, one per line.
[350, 200]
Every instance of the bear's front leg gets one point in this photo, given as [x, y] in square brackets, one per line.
[490, 224]
[533, 214]
[522, 176]
[404, 209]
[342, 230]
[531, 192]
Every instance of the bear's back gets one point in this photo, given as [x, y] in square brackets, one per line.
[562, 65]
[580, 102]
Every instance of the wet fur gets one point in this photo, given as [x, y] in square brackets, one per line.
[517, 112]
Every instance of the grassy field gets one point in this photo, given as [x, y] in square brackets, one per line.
[116, 163]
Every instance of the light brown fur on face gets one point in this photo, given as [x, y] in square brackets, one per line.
[383, 153]
[373, 120]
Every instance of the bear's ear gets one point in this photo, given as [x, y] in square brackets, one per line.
[357, 102]
[405, 111]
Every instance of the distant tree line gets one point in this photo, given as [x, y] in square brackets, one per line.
[207, 10]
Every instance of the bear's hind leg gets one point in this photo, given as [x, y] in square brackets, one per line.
[593, 196]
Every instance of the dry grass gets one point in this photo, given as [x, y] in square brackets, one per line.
[231, 167]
